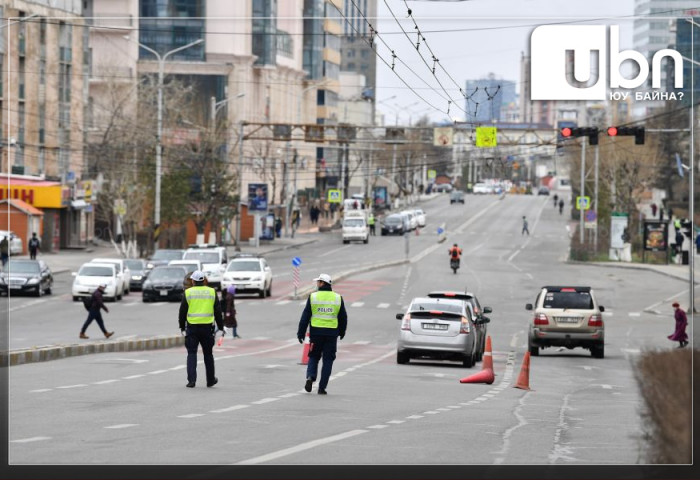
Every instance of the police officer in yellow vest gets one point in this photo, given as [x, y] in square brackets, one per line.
[325, 311]
[199, 310]
[370, 222]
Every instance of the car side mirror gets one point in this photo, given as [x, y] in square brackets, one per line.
[488, 310]
[399, 316]
[485, 320]
[528, 306]
[601, 308]
[75, 274]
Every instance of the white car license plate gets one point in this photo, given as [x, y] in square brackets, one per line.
[434, 326]
[567, 320]
[163, 293]
[15, 287]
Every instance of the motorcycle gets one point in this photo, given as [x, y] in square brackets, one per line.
[454, 264]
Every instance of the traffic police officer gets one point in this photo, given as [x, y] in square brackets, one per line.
[199, 310]
[325, 311]
[370, 222]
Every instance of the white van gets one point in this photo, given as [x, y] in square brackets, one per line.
[355, 226]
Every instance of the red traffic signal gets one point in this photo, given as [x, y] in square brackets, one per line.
[590, 132]
[566, 132]
[636, 132]
[612, 131]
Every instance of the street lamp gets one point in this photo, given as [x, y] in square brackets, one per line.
[159, 146]
[216, 106]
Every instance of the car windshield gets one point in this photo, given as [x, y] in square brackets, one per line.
[23, 267]
[393, 220]
[443, 307]
[574, 300]
[134, 264]
[167, 255]
[95, 271]
[353, 222]
[204, 257]
[244, 266]
[162, 274]
[190, 267]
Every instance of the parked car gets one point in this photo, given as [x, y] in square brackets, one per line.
[15, 242]
[437, 328]
[566, 317]
[249, 273]
[139, 272]
[26, 276]
[543, 191]
[420, 217]
[190, 267]
[91, 275]
[394, 224]
[482, 188]
[123, 271]
[442, 187]
[457, 196]
[164, 283]
[163, 256]
[480, 321]
[213, 259]
[412, 220]
[355, 227]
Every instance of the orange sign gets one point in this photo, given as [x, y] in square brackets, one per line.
[37, 196]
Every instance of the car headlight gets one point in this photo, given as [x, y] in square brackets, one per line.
[149, 265]
[33, 281]
[136, 277]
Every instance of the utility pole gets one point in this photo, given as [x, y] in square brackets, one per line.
[595, 201]
[284, 191]
[583, 186]
[393, 171]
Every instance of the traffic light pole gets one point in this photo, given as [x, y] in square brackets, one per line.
[595, 201]
[581, 212]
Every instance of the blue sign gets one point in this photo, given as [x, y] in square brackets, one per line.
[296, 261]
[440, 230]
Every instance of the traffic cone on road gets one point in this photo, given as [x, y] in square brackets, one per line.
[488, 355]
[484, 376]
[524, 377]
[305, 352]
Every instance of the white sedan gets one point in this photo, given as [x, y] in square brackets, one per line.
[420, 217]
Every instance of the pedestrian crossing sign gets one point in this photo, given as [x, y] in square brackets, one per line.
[335, 196]
[486, 137]
[583, 203]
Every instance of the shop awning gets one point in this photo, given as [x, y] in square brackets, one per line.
[23, 206]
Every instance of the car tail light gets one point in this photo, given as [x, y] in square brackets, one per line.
[464, 327]
[596, 320]
[406, 323]
[541, 319]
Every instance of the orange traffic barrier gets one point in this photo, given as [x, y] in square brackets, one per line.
[524, 377]
[488, 355]
[305, 352]
[484, 376]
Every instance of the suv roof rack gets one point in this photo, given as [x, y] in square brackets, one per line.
[203, 245]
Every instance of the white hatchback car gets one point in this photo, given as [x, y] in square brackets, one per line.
[249, 273]
[91, 275]
[123, 271]
[15, 241]
[213, 261]
[420, 217]
[412, 220]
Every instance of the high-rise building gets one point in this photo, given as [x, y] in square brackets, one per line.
[494, 96]
[356, 53]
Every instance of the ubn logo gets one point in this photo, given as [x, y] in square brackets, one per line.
[563, 63]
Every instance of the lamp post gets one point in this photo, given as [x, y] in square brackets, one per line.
[159, 139]
[215, 106]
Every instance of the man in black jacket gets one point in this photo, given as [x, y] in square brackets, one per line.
[325, 312]
[96, 304]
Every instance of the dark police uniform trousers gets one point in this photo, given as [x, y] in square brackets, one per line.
[196, 334]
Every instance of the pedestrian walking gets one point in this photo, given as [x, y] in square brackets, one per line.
[199, 309]
[556, 197]
[525, 229]
[679, 241]
[229, 308]
[325, 312]
[679, 334]
[95, 312]
[654, 207]
[697, 243]
[370, 221]
[4, 250]
[561, 206]
[34, 244]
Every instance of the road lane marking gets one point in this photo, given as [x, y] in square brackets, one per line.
[229, 409]
[32, 439]
[123, 425]
[41, 390]
[396, 422]
[357, 304]
[333, 251]
[156, 372]
[415, 417]
[361, 342]
[283, 302]
[377, 427]
[28, 304]
[191, 415]
[132, 360]
[634, 314]
[265, 400]
[105, 382]
[130, 377]
[384, 305]
[74, 386]
[431, 412]
[301, 447]
[289, 395]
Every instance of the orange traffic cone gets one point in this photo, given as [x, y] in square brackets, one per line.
[524, 377]
[305, 352]
[484, 376]
[488, 355]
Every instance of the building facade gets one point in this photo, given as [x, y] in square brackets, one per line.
[495, 98]
[43, 92]
[357, 55]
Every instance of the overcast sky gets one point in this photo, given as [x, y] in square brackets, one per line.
[470, 39]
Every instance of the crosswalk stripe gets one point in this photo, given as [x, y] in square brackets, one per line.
[357, 304]
[383, 305]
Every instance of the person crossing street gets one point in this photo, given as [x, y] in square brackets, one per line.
[525, 228]
[199, 309]
[325, 312]
[94, 313]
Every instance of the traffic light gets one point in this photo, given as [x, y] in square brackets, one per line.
[590, 132]
[637, 132]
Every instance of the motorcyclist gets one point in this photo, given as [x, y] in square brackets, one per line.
[455, 253]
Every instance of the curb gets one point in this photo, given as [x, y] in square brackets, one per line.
[634, 266]
[56, 352]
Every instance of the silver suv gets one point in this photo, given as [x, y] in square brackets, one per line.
[567, 317]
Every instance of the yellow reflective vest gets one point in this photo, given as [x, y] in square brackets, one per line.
[325, 307]
[200, 304]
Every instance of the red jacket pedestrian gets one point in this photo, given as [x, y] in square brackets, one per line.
[679, 334]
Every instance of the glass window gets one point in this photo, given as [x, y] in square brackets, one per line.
[576, 300]
[22, 267]
[95, 271]
[244, 266]
[166, 274]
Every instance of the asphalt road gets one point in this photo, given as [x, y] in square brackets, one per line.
[133, 408]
